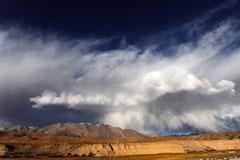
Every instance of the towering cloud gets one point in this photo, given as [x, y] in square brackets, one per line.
[193, 89]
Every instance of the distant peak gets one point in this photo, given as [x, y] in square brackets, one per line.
[83, 129]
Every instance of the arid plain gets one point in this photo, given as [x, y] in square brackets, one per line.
[87, 141]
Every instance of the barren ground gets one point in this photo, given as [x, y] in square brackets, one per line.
[188, 156]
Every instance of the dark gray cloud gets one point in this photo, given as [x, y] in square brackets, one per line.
[188, 101]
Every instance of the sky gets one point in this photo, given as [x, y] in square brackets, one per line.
[165, 67]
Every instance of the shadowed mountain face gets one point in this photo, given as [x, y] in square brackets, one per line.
[82, 130]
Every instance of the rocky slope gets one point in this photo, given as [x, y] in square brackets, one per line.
[83, 130]
[36, 144]
[115, 149]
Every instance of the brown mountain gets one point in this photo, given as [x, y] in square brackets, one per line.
[19, 128]
[84, 130]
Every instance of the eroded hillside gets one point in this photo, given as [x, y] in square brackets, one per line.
[36, 144]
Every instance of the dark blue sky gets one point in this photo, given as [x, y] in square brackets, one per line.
[89, 18]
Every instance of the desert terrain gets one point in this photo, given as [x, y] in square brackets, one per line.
[86, 141]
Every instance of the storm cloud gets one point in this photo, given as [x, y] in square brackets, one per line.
[194, 89]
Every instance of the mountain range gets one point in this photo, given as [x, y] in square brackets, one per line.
[82, 130]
